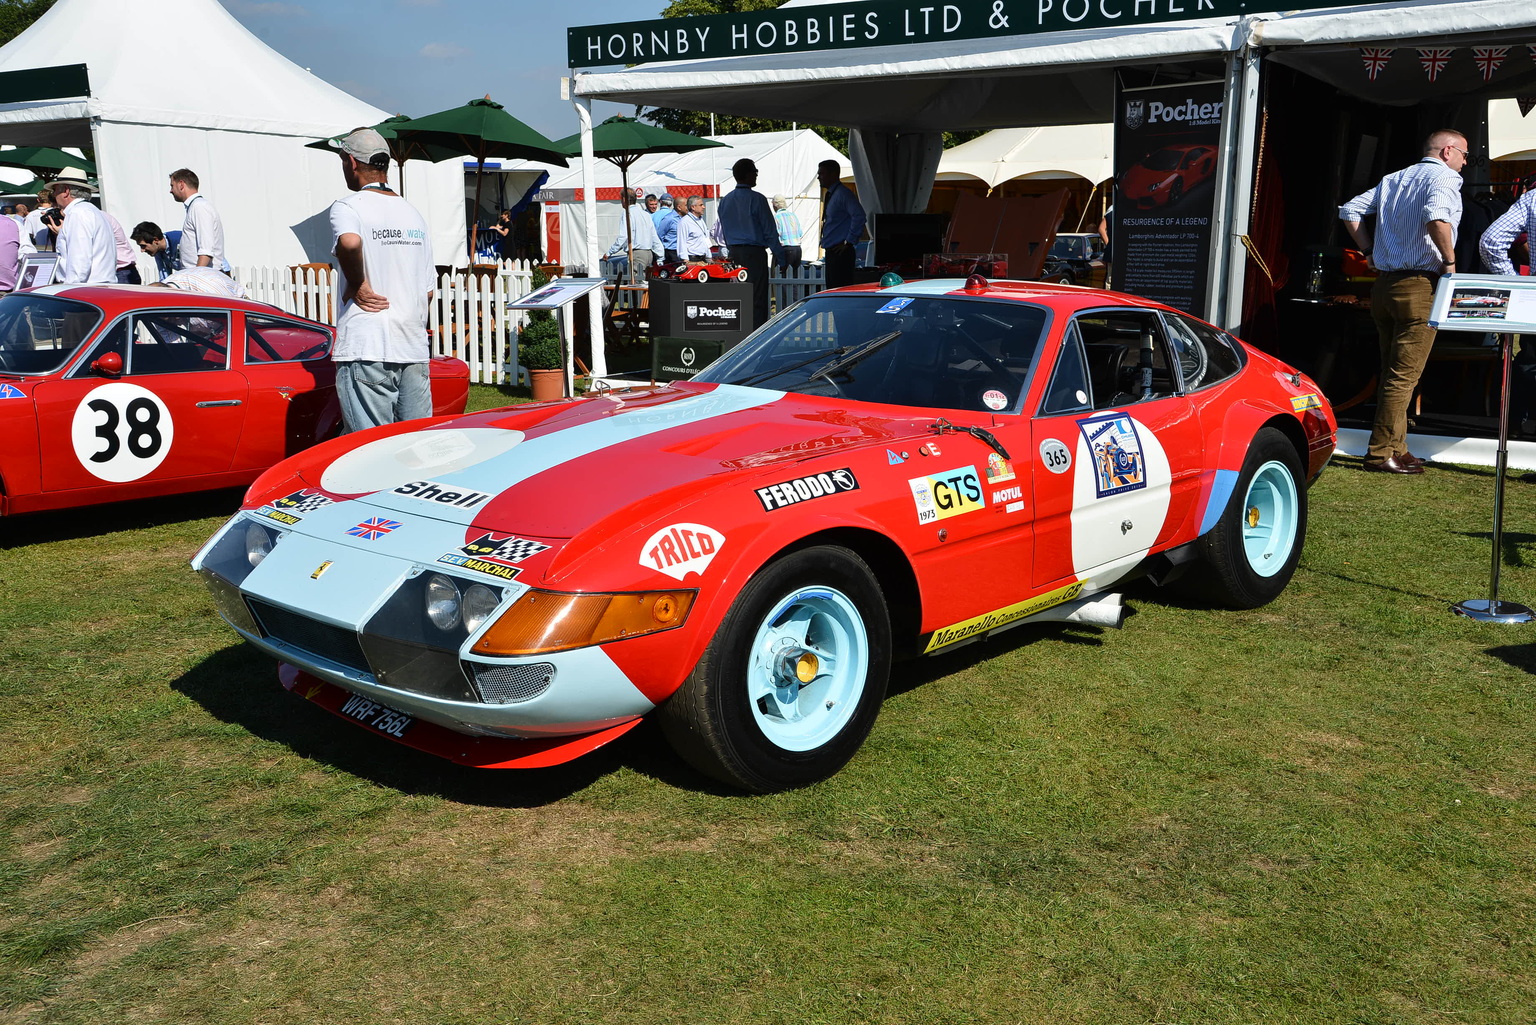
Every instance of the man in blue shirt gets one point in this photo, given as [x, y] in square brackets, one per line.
[159, 244]
[747, 226]
[842, 224]
[1417, 212]
[665, 220]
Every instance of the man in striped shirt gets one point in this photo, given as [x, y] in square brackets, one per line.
[1417, 211]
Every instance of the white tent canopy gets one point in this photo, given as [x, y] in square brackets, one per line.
[1051, 152]
[1511, 136]
[244, 135]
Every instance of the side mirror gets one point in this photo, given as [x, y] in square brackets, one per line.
[108, 364]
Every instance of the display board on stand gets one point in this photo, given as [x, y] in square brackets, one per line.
[556, 297]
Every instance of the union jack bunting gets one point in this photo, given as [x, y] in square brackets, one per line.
[1488, 59]
[1434, 59]
[1526, 103]
[1375, 59]
[1531, 47]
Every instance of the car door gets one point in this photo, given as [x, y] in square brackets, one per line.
[1117, 449]
[175, 411]
[292, 380]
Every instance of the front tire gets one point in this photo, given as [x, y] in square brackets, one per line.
[1252, 551]
[794, 678]
[703, 274]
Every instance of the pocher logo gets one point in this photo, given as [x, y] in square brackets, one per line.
[803, 489]
[442, 494]
[1135, 114]
[951, 493]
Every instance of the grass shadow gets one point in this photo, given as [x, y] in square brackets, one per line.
[109, 517]
[1514, 544]
[914, 673]
[1520, 656]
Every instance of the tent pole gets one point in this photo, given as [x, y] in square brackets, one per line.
[1235, 188]
[589, 204]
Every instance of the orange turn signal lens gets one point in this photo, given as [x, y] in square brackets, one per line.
[544, 621]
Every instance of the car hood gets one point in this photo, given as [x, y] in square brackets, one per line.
[557, 471]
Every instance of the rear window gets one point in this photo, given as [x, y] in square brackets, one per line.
[270, 340]
[41, 333]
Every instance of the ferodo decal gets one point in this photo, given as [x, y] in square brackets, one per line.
[681, 549]
[1002, 617]
[121, 432]
[803, 489]
[432, 491]
[1118, 465]
[1055, 456]
[1302, 403]
[942, 495]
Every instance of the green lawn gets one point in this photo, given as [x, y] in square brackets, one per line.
[1317, 812]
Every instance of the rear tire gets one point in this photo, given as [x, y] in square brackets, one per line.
[1252, 551]
[741, 275]
[703, 274]
[794, 678]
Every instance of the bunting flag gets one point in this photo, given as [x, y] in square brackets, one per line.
[1434, 59]
[1526, 103]
[1531, 47]
[1488, 59]
[1375, 60]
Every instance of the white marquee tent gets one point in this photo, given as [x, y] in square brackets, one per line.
[243, 133]
[1511, 136]
[1052, 152]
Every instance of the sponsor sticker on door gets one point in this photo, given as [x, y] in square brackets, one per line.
[939, 496]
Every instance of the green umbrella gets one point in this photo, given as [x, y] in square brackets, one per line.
[401, 149]
[481, 129]
[43, 158]
[623, 140]
[31, 188]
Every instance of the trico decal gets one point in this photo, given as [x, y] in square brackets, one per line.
[803, 489]
[494, 555]
[1302, 403]
[998, 469]
[1118, 465]
[278, 515]
[374, 528]
[1002, 617]
[681, 549]
[1002, 495]
[432, 491]
[301, 502]
[942, 495]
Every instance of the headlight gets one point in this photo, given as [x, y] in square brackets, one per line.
[258, 542]
[542, 621]
[443, 601]
[479, 602]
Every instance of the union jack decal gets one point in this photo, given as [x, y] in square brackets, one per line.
[1488, 59]
[1375, 60]
[1434, 59]
[374, 528]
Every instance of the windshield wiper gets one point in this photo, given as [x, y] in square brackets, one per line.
[764, 375]
[856, 355]
[942, 425]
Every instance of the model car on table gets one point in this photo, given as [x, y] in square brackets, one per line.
[112, 392]
[1163, 176]
[877, 473]
[715, 270]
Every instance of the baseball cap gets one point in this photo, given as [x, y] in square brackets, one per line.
[666, 199]
[366, 146]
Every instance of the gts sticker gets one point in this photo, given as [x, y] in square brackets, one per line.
[951, 493]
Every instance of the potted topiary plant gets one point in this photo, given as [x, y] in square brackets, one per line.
[539, 350]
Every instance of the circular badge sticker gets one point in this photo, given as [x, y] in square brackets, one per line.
[402, 458]
[994, 399]
[1055, 456]
[121, 432]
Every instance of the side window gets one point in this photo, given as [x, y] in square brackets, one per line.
[1127, 357]
[1205, 355]
[181, 342]
[269, 340]
[1068, 390]
[114, 340]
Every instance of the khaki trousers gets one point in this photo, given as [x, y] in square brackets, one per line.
[1400, 305]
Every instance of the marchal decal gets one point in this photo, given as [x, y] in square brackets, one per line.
[681, 549]
[803, 489]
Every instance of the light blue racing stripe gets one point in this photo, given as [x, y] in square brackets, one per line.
[932, 286]
[1222, 487]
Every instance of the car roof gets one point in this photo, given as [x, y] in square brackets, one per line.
[117, 298]
[1065, 298]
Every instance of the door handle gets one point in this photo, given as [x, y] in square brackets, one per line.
[218, 402]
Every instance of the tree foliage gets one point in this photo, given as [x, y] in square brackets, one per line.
[16, 16]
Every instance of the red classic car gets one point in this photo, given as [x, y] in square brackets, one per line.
[875, 473]
[722, 270]
[1165, 175]
[112, 392]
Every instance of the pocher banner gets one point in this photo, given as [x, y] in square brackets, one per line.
[1167, 140]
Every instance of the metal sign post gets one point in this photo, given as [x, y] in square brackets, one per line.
[1484, 302]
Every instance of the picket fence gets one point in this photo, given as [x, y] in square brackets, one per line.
[467, 317]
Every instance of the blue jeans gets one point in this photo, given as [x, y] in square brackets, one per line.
[372, 394]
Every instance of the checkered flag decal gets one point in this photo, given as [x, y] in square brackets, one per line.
[302, 503]
[515, 550]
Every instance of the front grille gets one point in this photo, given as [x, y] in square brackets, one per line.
[322, 639]
[507, 685]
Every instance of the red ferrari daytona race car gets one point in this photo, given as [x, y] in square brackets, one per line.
[113, 392]
[874, 474]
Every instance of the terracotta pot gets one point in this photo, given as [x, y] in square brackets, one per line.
[547, 384]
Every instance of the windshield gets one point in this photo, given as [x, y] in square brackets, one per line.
[39, 333]
[931, 352]
[1070, 247]
[1163, 160]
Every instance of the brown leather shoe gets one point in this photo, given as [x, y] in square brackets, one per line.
[1392, 464]
[1409, 459]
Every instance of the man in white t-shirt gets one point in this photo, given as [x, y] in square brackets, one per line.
[202, 232]
[381, 352]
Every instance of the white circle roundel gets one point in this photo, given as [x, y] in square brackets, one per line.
[121, 432]
[1055, 456]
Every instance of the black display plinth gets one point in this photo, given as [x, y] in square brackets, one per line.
[715, 310]
[678, 359]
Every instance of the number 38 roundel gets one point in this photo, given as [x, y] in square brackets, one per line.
[121, 432]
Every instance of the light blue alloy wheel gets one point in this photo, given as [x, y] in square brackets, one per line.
[1271, 517]
[809, 667]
